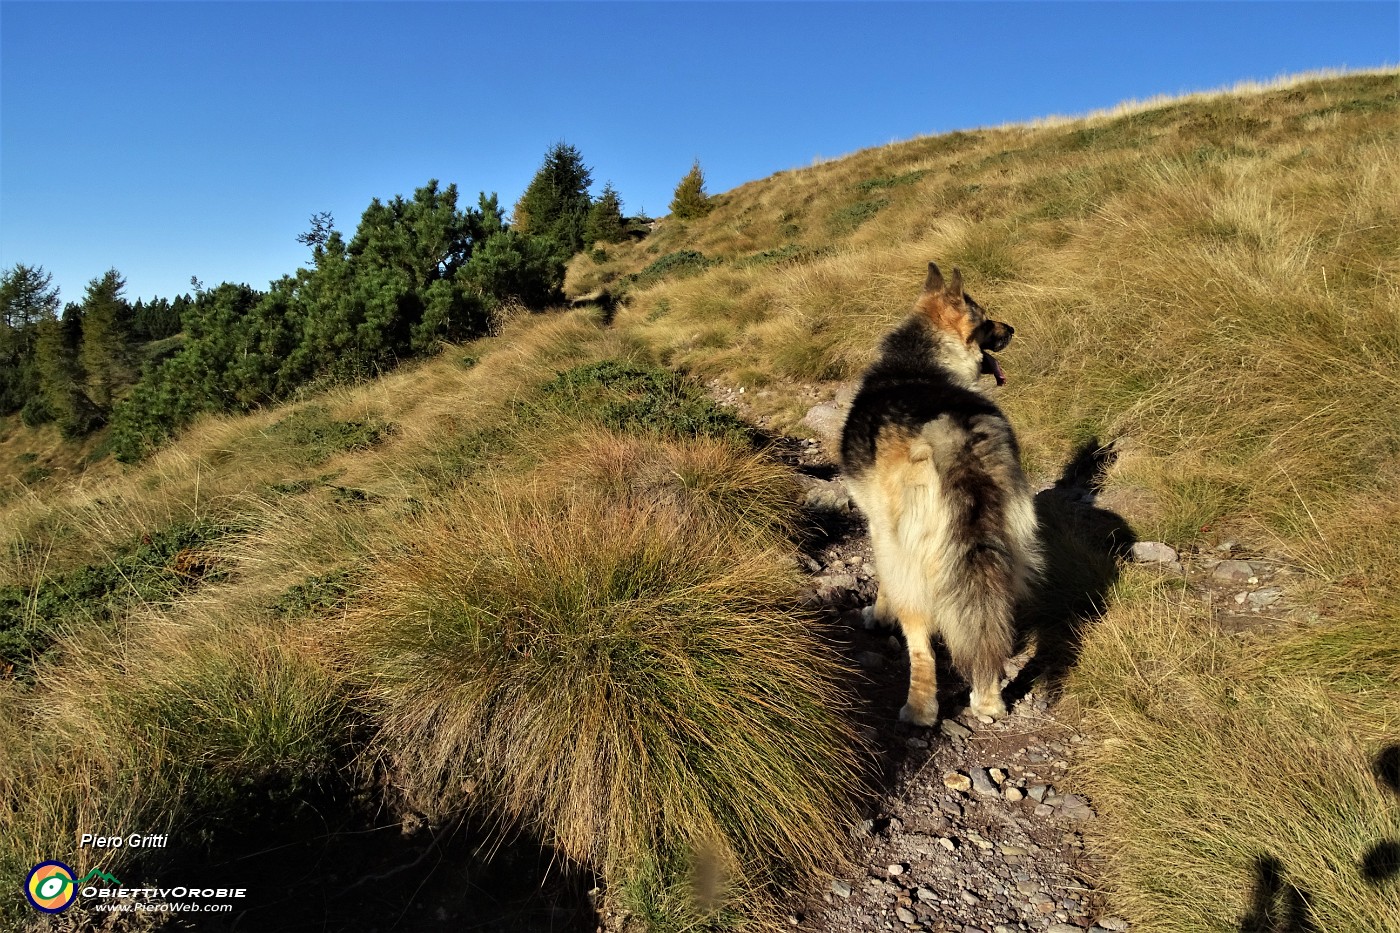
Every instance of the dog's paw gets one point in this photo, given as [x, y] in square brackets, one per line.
[925, 716]
[992, 706]
[867, 618]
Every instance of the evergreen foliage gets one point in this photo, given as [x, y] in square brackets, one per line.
[60, 381]
[27, 298]
[417, 272]
[555, 205]
[690, 200]
[605, 223]
[104, 350]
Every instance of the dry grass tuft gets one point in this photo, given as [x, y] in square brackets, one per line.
[621, 666]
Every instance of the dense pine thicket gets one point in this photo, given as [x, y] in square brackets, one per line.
[415, 273]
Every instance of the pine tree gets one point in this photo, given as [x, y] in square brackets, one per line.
[556, 202]
[605, 223]
[27, 298]
[105, 350]
[690, 200]
[60, 380]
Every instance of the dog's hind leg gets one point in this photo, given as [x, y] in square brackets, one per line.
[980, 647]
[921, 707]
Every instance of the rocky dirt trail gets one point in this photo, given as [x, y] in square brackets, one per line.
[977, 827]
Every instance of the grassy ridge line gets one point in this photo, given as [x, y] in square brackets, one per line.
[1214, 285]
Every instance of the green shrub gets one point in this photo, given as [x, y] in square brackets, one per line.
[625, 396]
[153, 569]
[317, 437]
[846, 219]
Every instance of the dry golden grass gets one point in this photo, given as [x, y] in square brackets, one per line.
[612, 654]
[1226, 784]
[1212, 282]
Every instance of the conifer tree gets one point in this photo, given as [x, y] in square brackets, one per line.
[556, 202]
[690, 200]
[104, 353]
[605, 223]
[60, 380]
[27, 298]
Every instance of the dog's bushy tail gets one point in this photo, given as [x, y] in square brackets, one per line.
[984, 574]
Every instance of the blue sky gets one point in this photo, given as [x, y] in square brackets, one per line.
[180, 139]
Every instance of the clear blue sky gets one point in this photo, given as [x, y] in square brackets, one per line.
[177, 139]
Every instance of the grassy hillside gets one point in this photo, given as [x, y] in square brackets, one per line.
[531, 577]
[1212, 286]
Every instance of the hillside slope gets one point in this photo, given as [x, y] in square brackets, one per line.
[540, 584]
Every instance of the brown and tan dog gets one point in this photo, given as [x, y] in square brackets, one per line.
[934, 465]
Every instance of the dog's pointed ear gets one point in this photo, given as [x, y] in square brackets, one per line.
[934, 282]
[955, 288]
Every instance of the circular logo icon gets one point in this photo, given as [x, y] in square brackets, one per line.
[50, 887]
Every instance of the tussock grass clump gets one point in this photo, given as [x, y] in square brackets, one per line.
[621, 667]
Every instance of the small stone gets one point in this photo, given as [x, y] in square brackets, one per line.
[1240, 598]
[871, 660]
[1043, 810]
[1037, 792]
[1013, 850]
[978, 841]
[915, 742]
[1115, 924]
[1028, 887]
[1232, 571]
[981, 783]
[985, 720]
[794, 920]
[1076, 807]
[1013, 794]
[905, 915]
[1225, 547]
[1003, 928]
[895, 869]
[925, 895]
[1266, 596]
[970, 899]
[840, 889]
[954, 730]
[836, 581]
[1063, 928]
[947, 843]
[997, 775]
[954, 780]
[1153, 552]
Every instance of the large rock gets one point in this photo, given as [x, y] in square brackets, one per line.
[827, 419]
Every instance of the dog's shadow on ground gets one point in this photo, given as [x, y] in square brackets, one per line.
[1083, 545]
